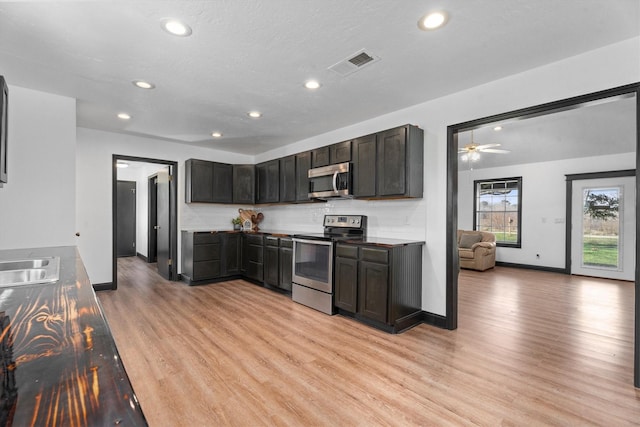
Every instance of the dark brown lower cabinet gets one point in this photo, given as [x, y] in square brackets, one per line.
[253, 256]
[373, 290]
[208, 256]
[346, 282]
[380, 285]
[201, 256]
[286, 263]
[232, 253]
[271, 261]
[278, 258]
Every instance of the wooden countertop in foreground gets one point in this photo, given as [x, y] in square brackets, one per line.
[60, 365]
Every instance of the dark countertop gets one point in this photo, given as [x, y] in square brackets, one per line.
[277, 233]
[378, 241]
[383, 241]
[60, 362]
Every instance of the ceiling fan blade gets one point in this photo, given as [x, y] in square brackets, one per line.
[485, 146]
[462, 151]
[493, 150]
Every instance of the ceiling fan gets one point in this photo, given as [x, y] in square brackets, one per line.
[471, 152]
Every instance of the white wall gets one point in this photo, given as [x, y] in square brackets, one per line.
[94, 151]
[543, 204]
[37, 204]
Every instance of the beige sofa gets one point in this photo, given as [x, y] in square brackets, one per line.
[476, 249]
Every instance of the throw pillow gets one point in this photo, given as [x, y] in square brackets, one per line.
[468, 240]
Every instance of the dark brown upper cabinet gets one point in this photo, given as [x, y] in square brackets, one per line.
[208, 182]
[340, 152]
[364, 166]
[400, 162]
[303, 164]
[268, 182]
[288, 179]
[244, 184]
[389, 164]
[222, 183]
[320, 157]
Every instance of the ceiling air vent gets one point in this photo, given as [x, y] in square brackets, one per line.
[354, 62]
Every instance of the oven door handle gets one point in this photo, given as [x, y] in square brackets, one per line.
[313, 242]
[335, 181]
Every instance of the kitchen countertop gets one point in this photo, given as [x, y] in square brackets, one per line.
[60, 362]
[369, 240]
[382, 241]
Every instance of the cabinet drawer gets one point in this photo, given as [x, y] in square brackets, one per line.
[286, 243]
[206, 270]
[206, 252]
[203, 238]
[271, 241]
[254, 239]
[375, 255]
[347, 251]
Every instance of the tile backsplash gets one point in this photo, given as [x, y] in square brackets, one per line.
[400, 219]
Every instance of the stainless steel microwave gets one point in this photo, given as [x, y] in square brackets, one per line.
[330, 181]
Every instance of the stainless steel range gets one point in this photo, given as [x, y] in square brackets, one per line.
[313, 260]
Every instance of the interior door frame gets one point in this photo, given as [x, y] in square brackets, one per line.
[569, 192]
[451, 317]
[173, 212]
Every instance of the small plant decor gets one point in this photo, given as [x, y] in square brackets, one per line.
[237, 223]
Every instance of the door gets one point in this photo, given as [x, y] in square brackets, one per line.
[152, 230]
[163, 231]
[126, 219]
[603, 228]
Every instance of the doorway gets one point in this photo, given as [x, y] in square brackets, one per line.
[629, 91]
[603, 227]
[157, 209]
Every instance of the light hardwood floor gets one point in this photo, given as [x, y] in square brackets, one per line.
[531, 348]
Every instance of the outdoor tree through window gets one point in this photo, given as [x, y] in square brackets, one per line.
[497, 209]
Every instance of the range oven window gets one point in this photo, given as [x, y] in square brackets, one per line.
[313, 264]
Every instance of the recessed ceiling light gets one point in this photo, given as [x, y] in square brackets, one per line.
[497, 128]
[433, 20]
[312, 84]
[216, 135]
[254, 114]
[143, 85]
[124, 116]
[121, 164]
[175, 27]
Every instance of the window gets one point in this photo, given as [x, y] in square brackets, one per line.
[497, 209]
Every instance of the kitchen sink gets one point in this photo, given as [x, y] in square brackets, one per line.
[29, 271]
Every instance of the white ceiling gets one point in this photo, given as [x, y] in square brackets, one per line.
[256, 54]
[601, 128]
